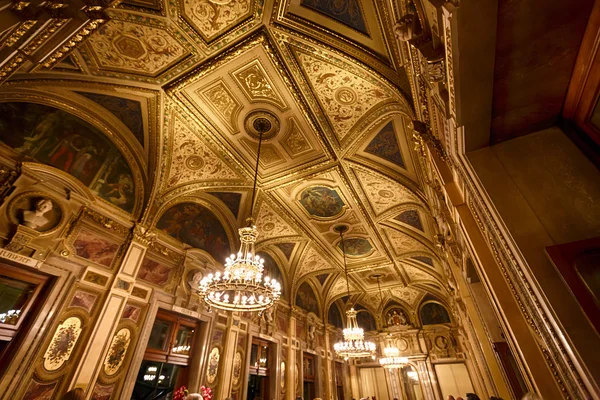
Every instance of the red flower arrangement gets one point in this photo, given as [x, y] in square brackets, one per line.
[206, 392]
[180, 394]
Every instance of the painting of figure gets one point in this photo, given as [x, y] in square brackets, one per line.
[197, 226]
[434, 313]
[348, 12]
[356, 246]
[385, 145]
[335, 317]
[154, 272]
[95, 248]
[64, 141]
[306, 299]
[366, 320]
[396, 317]
[321, 201]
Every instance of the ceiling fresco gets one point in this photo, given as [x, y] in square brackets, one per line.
[180, 83]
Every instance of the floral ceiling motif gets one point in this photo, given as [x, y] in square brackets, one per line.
[403, 243]
[384, 193]
[311, 262]
[192, 160]
[140, 49]
[271, 225]
[223, 102]
[211, 18]
[415, 274]
[409, 294]
[344, 97]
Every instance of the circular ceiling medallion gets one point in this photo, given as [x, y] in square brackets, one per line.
[261, 121]
[345, 96]
[386, 194]
[194, 162]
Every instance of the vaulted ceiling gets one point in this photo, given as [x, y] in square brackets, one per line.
[329, 75]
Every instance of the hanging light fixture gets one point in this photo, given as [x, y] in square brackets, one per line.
[241, 287]
[391, 354]
[354, 344]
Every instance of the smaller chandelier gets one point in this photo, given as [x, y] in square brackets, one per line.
[391, 358]
[354, 345]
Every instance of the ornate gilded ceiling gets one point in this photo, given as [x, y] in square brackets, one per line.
[193, 74]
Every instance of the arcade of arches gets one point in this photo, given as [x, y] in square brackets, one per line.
[456, 140]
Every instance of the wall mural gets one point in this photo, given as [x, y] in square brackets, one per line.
[434, 313]
[347, 12]
[385, 145]
[153, 272]
[366, 320]
[197, 226]
[396, 317]
[356, 246]
[335, 317]
[64, 141]
[410, 217]
[93, 247]
[321, 201]
[306, 298]
[127, 111]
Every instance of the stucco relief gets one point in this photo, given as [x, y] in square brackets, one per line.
[384, 193]
[223, 103]
[213, 17]
[345, 97]
[192, 160]
[295, 143]
[311, 262]
[408, 294]
[402, 243]
[271, 225]
[124, 46]
[416, 274]
[339, 287]
[257, 85]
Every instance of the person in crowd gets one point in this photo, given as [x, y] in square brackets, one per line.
[450, 397]
[459, 398]
[74, 394]
[472, 396]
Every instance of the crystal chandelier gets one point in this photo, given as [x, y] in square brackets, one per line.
[241, 287]
[354, 344]
[392, 357]
[391, 354]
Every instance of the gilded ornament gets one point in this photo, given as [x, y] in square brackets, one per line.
[62, 343]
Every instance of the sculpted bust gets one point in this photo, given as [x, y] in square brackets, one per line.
[35, 219]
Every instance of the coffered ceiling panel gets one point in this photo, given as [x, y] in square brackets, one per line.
[139, 48]
[246, 84]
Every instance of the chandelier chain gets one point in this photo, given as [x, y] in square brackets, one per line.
[345, 266]
[256, 175]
